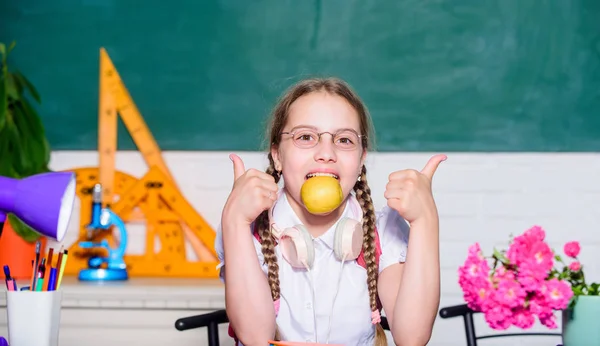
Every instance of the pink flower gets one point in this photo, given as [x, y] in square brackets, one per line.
[533, 257]
[476, 296]
[502, 273]
[534, 262]
[572, 249]
[529, 245]
[549, 321]
[475, 269]
[523, 318]
[475, 252]
[498, 317]
[557, 294]
[517, 291]
[535, 234]
[474, 278]
[510, 293]
[575, 266]
[475, 264]
[537, 304]
[528, 280]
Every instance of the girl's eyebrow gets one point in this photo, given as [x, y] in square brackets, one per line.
[316, 129]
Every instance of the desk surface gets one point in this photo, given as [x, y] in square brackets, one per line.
[142, 293]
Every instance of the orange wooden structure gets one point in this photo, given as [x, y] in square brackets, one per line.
[153, 199]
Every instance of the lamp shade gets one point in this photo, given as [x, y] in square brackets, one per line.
[43, 201]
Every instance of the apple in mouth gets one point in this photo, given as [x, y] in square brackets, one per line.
[321, 192]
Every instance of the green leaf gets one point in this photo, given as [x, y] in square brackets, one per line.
[22, 229]
[35, 147]
[558, 258]
[577, 290]
[594, 289]
[26, 84]
[12, 45]
[37, 128]
[5, 164]
[15, 154]
[501, 257]
[3, 99]
[28, 142]
[37, 142]
[13, 89]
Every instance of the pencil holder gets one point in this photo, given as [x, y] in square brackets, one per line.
[33, 317]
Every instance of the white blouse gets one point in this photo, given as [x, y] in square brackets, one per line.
[349, 322]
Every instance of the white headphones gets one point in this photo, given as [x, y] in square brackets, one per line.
[297, 246]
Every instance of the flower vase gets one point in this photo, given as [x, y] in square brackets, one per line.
[580, 324]
[17, 253]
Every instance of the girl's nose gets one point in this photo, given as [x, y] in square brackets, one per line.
[325, 150]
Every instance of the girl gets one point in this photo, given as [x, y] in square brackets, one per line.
[321, 127]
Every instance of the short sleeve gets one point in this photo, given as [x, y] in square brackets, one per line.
[220, 250]
[393, 237]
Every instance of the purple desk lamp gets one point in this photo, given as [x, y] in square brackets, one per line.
[43, 201]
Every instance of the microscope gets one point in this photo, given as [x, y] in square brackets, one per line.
[103, 219]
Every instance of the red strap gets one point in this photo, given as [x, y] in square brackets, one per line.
[255, 233]
[361, 257]
[232, 334]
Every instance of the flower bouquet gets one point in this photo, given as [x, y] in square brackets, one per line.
[513, 286]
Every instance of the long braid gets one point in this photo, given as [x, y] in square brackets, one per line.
[268, 242]
[363, 196]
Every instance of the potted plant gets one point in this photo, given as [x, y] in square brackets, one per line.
[579, 326]
[24, 151]
[514, 286]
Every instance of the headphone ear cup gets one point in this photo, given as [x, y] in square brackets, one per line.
[348, 239]
[297, 248]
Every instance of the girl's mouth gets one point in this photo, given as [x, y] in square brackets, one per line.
[321, 174]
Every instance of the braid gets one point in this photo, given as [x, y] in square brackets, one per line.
[268, 242]
[363, 196]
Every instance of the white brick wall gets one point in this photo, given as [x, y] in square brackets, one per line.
[481, 197]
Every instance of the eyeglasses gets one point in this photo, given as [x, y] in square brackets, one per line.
[306, 138]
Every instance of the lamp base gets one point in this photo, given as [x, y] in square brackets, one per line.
[101, 274]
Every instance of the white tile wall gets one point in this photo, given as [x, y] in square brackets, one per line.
[481, 197]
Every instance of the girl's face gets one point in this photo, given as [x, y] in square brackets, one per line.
[301, 152]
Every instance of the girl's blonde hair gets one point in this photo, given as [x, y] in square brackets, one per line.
[363, 192]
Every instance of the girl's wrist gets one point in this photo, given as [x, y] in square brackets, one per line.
[231, 223]
[427, 221]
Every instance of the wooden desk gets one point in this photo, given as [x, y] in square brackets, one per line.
[138, 311]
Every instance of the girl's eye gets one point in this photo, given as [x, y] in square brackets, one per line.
[345, 141]
[304, 137]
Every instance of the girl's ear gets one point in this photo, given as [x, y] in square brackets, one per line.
[363, 158]
[275, 156]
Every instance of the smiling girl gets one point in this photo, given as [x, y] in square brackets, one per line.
[321, 127]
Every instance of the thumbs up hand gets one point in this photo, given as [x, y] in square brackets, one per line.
[253, 192]
[409, 191]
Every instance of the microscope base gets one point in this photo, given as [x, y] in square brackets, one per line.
[101, 274]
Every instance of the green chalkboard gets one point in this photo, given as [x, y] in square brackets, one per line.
[498, 75]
